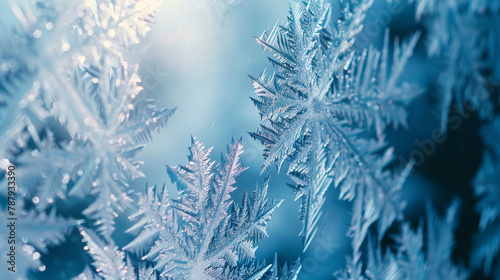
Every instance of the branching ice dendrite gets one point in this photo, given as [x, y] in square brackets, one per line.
[69, 92]
[415, 257]
[109, 261]
[325, 108]
[462, 33]
[203, 234]
[72, 114]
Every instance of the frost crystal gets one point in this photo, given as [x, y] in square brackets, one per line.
[108, 259]
[461, 33]
[202, 234]
[325, 109]
[74, 116]
[72, 112]
[414, 257]
[487, 189]
[37, 231]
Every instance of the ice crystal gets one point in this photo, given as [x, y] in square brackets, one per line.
[74, 116]
[202, 234]
[325, 108]
[487, 189]
[460, 32]
[415, 257]
[110, 265]
[285, 272]
[37, 231]
[108, 258]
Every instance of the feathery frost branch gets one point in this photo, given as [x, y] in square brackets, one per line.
[202, 234]
[326, 107]
[461, 33]
[413, 256]
[74, 116]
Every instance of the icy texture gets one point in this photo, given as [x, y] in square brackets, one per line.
[325, 109]
[72, 115]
